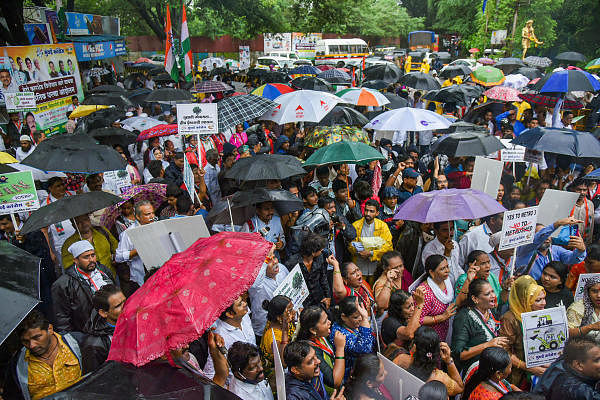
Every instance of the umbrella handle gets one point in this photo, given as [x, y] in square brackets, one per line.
[230, 216]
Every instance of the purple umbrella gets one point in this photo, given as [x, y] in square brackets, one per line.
[448, 205]
[156, 193]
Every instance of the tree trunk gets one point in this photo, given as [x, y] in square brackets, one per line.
[70, 5]
[12, 11]
[153, 21]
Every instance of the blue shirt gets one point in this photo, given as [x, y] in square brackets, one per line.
[404, 194]
[556, 253]
[518, 127]
[361, 341]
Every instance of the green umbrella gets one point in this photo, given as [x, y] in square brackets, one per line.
[325, 135]
[488, 76]
[343, 152]
[594, 64]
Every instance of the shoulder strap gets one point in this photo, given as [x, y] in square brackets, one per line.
[250, 225]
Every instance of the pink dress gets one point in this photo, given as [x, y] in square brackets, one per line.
[433, 307]
[238, 139]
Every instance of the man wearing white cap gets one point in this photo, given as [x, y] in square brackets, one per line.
[26, 148]
[72, 292]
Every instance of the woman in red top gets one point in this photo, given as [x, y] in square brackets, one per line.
[348, 281]
[489, 382]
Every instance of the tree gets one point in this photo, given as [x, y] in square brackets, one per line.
[578, 27]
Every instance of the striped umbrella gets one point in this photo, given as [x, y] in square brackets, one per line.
[272, 90]
[538, 62]
[594, 64]
[335, 76]
[486, 61]
[363, 97]
[237, 109]
[157, 131]
[549, 101]
[212, 87]
[503, 93]
[488, 76]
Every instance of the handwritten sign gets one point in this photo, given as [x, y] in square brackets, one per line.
[294, 287]
[518, 228]
[197, 119]
[583, 279]
[544, 335]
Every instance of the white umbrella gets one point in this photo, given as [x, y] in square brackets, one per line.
[140, 123]
[408, 119]
[302, 105]
[516, 81]
[363, 97]
[38, 174]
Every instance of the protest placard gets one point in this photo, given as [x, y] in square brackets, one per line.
[20, 101]
[534, 156]
[279, 373]
[188, 178]
[518, 228]
[544, 335]
[197, 119]
[555, 204]
[410, 384]
[294, 287]
[17, 193]
[116, 181]
[486, 176]
[583, 279]
[392, 380]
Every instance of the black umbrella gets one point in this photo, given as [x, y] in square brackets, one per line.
[157, 380]
[68, 207]
[463, 126]
[163, 78]
[508, 64]
[111, 136]
[76, 153]
[108, 99]
[108, 89]
[560, 141]
[386, 72]
[451, 71]
[395, 101]
[342, 115]
[461, 95]
[377, 84]
[275, 77]
[420, 81]
[99, 119]
[256, 72]
[571, 56]
[138, 96]
[237, 109]
[479, 111]
[265, 167]
[152, 68]
[467, 143]
[19, 286]
[6, 169]
[312, 83]
[531, 73]
[169, 95]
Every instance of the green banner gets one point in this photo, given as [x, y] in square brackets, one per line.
[17, 193]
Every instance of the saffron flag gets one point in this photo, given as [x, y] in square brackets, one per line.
[170, 57]
[186, 48]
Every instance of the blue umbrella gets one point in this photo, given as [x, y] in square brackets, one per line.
[560, 141]
[305, 70]
[594, 175]
[568, 81]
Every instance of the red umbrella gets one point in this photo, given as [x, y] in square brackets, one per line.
[324, 67]
[143, 60]
[474, 50]
[157, 131]
[549, 101]
[186, 295]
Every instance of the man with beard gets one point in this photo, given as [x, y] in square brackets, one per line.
[72, 292]
[532, 258]
[248, 380]
[583, 210]
[26, 148]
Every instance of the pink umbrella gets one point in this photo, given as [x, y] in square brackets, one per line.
[157, 131]
[143, 60]
[473, 50]
[186, 295]
[486, 61]
[503, 93]
[155, 193]
[324, 67]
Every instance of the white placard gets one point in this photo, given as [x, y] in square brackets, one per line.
[486, 176]
[583, 278]
[158, 241]
[244, 57]
[534, 156]
[294, 287]
[197, 119]
[20, 101]
[279, 373]
[555, 205]
[116, 181]
[188, 178]
[392, 380]
[518, 228]
[544, 335]
[512, 155]
[410, 383]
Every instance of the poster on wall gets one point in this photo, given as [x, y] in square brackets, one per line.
[38, 33]
[305, 44]
[90, 24]
[277, 42]
[244, 57]
[48, 70]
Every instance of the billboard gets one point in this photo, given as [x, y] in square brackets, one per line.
[99, 50]
[305, 44]
[48, 70]
[38, 33]
[277, 42]
[90, 24]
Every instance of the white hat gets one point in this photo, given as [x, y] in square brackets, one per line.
[167, 113]
[495, 239]
[24, 138]
[80, 247]
[129, 114]
[143, 115]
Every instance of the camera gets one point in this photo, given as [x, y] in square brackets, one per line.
[335, 219]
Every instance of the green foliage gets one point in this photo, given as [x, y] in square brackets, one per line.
[578, 27]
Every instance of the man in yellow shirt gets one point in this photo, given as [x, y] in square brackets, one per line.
[48, 362]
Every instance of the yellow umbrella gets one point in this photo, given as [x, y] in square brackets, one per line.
[82, 111]
[6, 158]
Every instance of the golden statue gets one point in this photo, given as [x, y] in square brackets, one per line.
[528, 36]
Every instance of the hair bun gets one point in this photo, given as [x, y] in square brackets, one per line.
[265, 305]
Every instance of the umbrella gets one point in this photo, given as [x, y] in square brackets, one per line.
[178, 303]
[395, 101]
[486, 61]
[341, 115]
[212, 87]
[84, 110]
[140, 123]
[550, 101]
[571, 56]
[6, 158]
[594, 64]
[508, 64]
[326, 135]
[111, 136]
[451, 71]
[302, 105]
[461, 144]
[487, 76]
[502, 93]
[235, 110]
[68, 207]
[325, 67]
[108, 89]
[154, 381]
[312, 83]
[479, 110]
[274, 77]
[305, 70]
[38, 174]
[530, 73]
[335, 76]
[388, 72]
[375, 84]
[363, 97]
[473, 50]
[138, 96]
[462, 126]
[77, 153]
[343, 152]
[157, 131]
[143, 60]
[224, 213]
[169, 96]
[7, 169]
[153, 192]
[516, 81]
[271, 91]
[537, 62]
[265, 167]
[448, 205]
[151, 68]
[20, 286]
[101, 118]
[561, 141]
[163, 78]
[108, 99]
[408, 119]
[420, 81]
[568, 81]
[594, 175]
[459, 94]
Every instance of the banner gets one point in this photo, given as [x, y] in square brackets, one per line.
[90, 24]
[244, 57]
[277, 42]
[544, 335]
[99, 50]
[583, 279]
[197, 119]
[116, 181]
[518, 228]
[52, 73]
[17, 193]
[20, 101]
[38, 33]
[294, 287]
[305, 44]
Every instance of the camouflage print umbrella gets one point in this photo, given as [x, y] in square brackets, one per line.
[325, 135]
